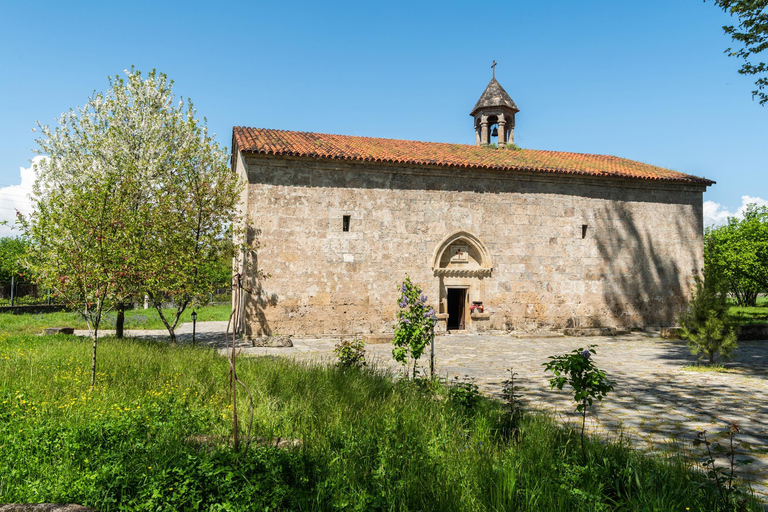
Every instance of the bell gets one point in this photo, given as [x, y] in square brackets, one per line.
[495, 132]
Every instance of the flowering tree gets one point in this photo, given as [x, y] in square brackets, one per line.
[133, 197]
[192, 218]
[416, 321]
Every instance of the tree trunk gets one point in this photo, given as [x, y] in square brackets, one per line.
[120, 322]
[711, 357]
[93, 358]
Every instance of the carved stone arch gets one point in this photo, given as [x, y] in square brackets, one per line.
[483, 260]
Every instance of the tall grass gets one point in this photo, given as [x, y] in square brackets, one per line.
[153, 436]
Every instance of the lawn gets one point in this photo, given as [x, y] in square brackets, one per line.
[134, 319]
[153, 435]
[757, 315]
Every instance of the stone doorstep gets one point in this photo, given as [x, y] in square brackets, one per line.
[533, 335]
[378, 339]
[590, 331]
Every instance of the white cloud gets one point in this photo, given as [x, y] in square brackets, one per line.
[16, 197]
[716, 214]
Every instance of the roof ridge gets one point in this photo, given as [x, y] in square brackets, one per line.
[451, 154]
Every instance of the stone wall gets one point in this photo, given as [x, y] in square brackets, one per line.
[566, 251]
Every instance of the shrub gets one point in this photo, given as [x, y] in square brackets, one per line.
[415, 326]
[705, 325]
[463, 393]
[350, 353]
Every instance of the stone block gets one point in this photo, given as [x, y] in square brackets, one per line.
[589, 331]
[378, 339]
[272, 341]
[59, 330]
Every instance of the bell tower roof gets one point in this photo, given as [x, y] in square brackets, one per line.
[494, 97]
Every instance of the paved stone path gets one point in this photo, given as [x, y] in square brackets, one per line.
[657, 401]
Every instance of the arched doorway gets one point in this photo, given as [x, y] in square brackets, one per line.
[461, 262]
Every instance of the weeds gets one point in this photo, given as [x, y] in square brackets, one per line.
[724, 479]
[363, 440]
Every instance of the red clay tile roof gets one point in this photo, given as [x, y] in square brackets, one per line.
[370, 149]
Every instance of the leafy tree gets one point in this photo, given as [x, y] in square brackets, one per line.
[752, 34]
[737, 254]
[705, 324]
[192, 224]
[80, 235]
[134, 197]
[12, 254]
[415, 325]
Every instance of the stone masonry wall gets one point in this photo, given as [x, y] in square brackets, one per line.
[631, 266]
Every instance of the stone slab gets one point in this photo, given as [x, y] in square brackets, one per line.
[378, 339]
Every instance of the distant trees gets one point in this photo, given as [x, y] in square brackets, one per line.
[737, 254]
[12, 254]
[134, 197]
[752, 34]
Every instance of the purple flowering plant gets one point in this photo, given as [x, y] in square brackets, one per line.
[577, 369]
[415, 322]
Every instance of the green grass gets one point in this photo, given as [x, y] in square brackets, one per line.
[757, 315]
[134, 319]
[366, 440]
[705, 368]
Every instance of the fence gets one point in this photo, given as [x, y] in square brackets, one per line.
[14, 293]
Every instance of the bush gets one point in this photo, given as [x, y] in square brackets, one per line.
[350, 353]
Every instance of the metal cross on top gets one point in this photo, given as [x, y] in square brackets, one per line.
[494, 69]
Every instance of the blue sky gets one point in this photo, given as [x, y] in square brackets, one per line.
[642, 80]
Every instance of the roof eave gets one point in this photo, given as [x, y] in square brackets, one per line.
[688, 180]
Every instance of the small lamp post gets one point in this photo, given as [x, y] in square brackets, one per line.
[194, 325]
[432, 348]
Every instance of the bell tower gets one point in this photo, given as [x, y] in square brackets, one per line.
[494, 115]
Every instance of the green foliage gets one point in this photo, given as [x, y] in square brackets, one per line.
[13, 252]
[364, 441]
[579, 371]
[350, 353]
[463, 393]
[752, 35]
[738, 254]
[705, 325]
[415, 326]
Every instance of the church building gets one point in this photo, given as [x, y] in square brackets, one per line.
[498, 237]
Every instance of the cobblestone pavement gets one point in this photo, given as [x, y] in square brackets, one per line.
[657, 401]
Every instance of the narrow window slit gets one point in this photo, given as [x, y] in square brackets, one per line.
[345, 224]
[583, 231]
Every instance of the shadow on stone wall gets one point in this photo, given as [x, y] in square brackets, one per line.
[254, 298]
[642, 286]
